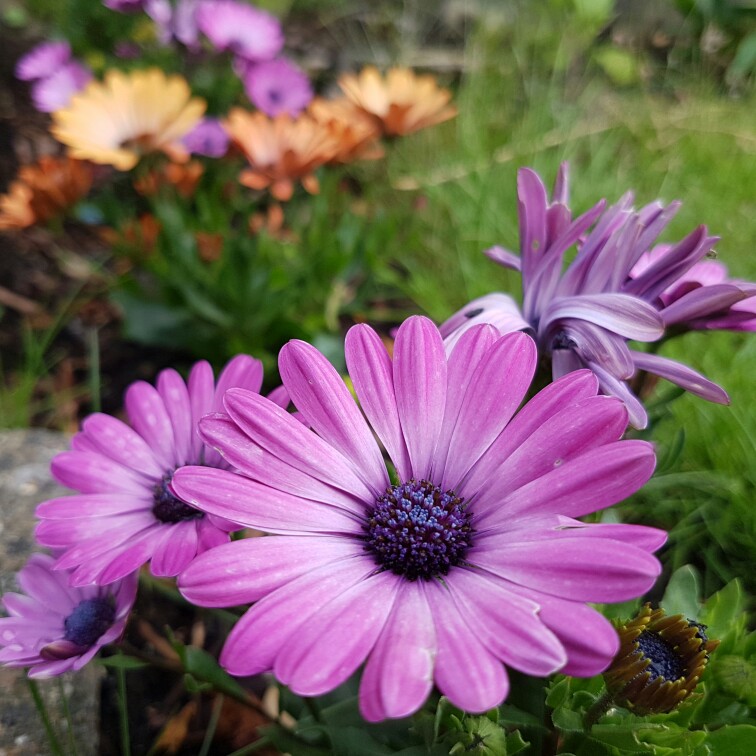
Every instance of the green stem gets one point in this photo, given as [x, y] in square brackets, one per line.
[312, 707]
[123, 712]
[258, 745]
[95, 388]
[69, 720]
[212, 724]
[599, 708]
[52, 738]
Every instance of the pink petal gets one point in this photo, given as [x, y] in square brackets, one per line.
[244, 571]
[201, 394]
[466, 671]
[92, 473]
[398, 676]
[281, 434]
[320, 394]
[254, 643]
[175, 396]
[256, 505]
[329, 647]
[150, 419]
[175, 549]
[370, 369]
[420, 385]
[92, 505]
[241, 371]
[64, 533]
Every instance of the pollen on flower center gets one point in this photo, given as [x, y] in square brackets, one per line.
[167, 507]
[418, 531]
[89, 620]
[665, 662]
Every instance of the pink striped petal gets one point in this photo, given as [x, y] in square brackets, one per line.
[175, 549]
[92, 473]
[256, 505]
[322, 397]
[420, 386]
[175, 396]
[63, 533]
[466, 672]
[201, 388]
[398, 676]
[370, 369]
[254, 643]
[151, 421]
[241, 371]
[336, 640]
[92, 505]
[244, 571]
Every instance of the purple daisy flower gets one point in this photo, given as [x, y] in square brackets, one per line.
[43, 60]
[125, 6]
[126, 512]
[248, 32]
[583, 315]
[207, 138]
[471, 561]
[702, 298]
[56, 628]
[55, 91]
[277, 86]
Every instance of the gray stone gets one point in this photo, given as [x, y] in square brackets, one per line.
[25, 481]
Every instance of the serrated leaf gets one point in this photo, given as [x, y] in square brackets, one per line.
[724, 610]
[732, 740]
[567, 720]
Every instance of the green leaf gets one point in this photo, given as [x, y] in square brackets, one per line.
[736, 676]
[724, 610]
[683, 590]
[205, 668]
[567, 720]
[515, 743]
[121, 661]
[733, 740]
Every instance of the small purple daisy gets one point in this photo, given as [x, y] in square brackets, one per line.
[127, 513]
[277, 86]
[125, 6]
[55, 91]
[584, 313]
[248, 32]
[207, 138]
[43, 60]
[57, 628]
[461, 559]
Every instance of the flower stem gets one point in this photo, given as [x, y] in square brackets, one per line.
[212, 724]
[123, 712]
[599, 708]
[69, 721]
[52, 738]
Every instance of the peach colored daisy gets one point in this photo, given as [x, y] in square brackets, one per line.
[128, 115]
[43, 190]
[355, 131]
[280, 150]
[402, 101]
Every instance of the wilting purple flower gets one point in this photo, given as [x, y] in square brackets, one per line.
[55, 91]
[127, 513]
[207, 138]
[277, 86]
[56, 628]
[470, 562]
[248, 32]
[43, 60]
[702, 298]
[583, 315]
[125, 6]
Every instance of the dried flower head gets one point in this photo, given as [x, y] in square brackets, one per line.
[129, 115]
[660, 661]
[401, 101]
[280, 150]
[43, 190]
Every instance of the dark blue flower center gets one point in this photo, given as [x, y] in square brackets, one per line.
[416, 530]
[665, 662]
[168, 508]
[89, 620]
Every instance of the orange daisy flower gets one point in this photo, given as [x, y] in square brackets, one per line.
[355, 131]
[43, 190]
[128, 115]
[280, 150]
[184, 177]
[402, 101]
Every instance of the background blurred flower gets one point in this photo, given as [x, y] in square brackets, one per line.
[277, 86]
[355, 132]
[43, 190]
[248, 32]
[43, 60]
[126, 512]
[583, 315]
[207, 138]
[660, 661]
[55, 628]
[280, 150]
[183, 177]
[402, 101]
[129, 115]
[125, 6]
[472, 561]
[56, 90]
